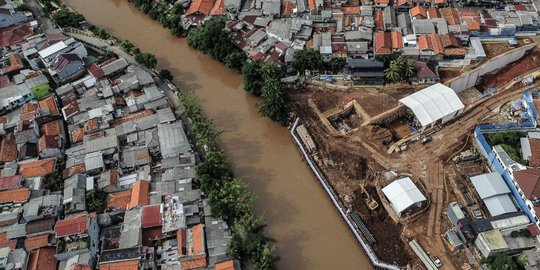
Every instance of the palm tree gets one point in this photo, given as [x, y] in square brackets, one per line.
[409, 70]
[392, 73]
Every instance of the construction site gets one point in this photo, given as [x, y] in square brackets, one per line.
[363, 140]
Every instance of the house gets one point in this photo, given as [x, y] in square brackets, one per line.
[8, 148]
[426, 73]
[403, 5]
[173, 140]
[74, 198]
[49, 147]
[14, 35]
[429, 46]
[387, 42]
[418, 13]
[527, 183]
[108, 181]
[38, 84]
[460, 222]
[42, 258]
[139, 194]
[191, 247]
[38, 241]
[36, 168]
[19, 195]
[389, 18]
[42, 207]
[77, 234]
[118, 200]
[66, 67]
[366, 71]
[122, 258]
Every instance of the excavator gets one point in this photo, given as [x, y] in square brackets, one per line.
[370, 202]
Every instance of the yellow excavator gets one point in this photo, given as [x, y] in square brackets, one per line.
[370, 202]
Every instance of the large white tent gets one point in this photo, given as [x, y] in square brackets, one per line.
[494, 192]
[434, 103]
[402, 194]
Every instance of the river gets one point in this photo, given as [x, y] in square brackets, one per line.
[310, 233]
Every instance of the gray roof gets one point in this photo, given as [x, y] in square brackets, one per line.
[114, 66]
[357, 47]
[110, 140]
[489, 184]
[423, 27]
[135, 157]
[173, 140]
[64, 89]
[178, 173]
[217, 239]
[271, 7]
[362, 34]
[36, 81]
[12, 93]
[139, 124]
[166, 115]
[389, 16]
[93, 161]
[143, 76]
[49, 205]
[131, 229]
[500, 204]
[281, 29]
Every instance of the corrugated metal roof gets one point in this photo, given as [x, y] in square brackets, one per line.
[402, 194]
[489, 184]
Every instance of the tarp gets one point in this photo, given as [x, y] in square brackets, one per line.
[402, 194]
[433, 103]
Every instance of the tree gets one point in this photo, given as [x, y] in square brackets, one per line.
[235, 60]
[147, 59]
[212, 170]
[307, 59]
[99, 32]
[409, 69]
[253, 80]
[66, 18]
[499, 262]
[231, 199]
[276, 101]
[335, 65]
[54, 181]
[392, 73]
[127, 46]
[265, 258]
[205, 132]
[96, 200]
[271, 71]
[165, 74]
[188, 104]
[211, 38]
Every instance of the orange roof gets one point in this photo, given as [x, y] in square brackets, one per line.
[44, 257]
[193, 254]
[196, 263]
[118, 200]
[450, 15]
[77, 135]
[418, 12]
[132, 116]
[15, 195]
[439, 2]
[433, 13]
[430, 42]
[200, 6]
[404, 2]
[35, 242]
[52, 128]
[139, 194]
[382, 2]
[29, 107]
[383, 43]
[379, 23]
[474, 26]
[351, 10]
[46, 142]
[124, 265]
[227, 265]
[50, 104]
[37, 168]
[218, 9]
[312, 4]
[197, 236]
[397, 40]
[8, 148]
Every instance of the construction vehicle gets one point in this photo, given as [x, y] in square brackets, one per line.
[370, 202]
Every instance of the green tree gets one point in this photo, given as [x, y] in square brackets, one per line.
[188, 104]
[212, 170]
[271, 71]
[211, 38]
[335, 65]
[231, 199]
[307, 59]
[276, 102]
[205, 131]
[96, 200]
[127, 46]
[99, 32]
[392, 73]
[235, 60]
[165, 74]
[265, 258]
[253, 80]
[499, 262]
[54, 181]
[147, 59]
[409, 69]
[66, 18]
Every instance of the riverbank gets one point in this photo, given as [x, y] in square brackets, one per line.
[309, 232]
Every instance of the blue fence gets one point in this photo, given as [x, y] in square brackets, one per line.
[528, 125]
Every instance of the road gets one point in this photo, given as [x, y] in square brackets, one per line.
[44, 22]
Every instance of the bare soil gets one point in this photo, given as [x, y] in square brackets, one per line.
[447, 74]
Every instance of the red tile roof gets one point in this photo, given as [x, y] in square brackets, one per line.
[430, 42]
[53, 128]
[15, 195]
[47, 142]
[49, 103]
[119, 200]
[351, 10]
[44, 257]
[4, 81]
[149, 235]
[441, 2]
[201, 7]
[404, 3]
[397, 40]
[15, 63]
[227, 265]
[450, 41]
[131, 117]
[37, 168]
[74, 224]
[35, 242]
[520, 8]
[418, 12]
[383, 43]
[123, 265]
[218, 9]
[151, 216]
[10, 182]
[312, 5]
[8, 148]
[450, 15]
[139, 194]
[529, 182]
[382, 2]
[378, 18]
[95, 71]
[423, 70]
[474, 26]
[195, 251]
[14, 34]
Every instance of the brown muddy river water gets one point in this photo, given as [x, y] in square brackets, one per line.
[310, 233]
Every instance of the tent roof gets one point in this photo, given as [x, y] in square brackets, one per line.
[433, 103]
[402, 193]
[500, 204]
[489, 184]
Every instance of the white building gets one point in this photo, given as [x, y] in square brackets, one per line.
[403, 195]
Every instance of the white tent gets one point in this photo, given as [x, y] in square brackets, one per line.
[402, 194]
[434, 103]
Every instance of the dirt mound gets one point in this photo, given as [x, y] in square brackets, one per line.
[381, 134]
